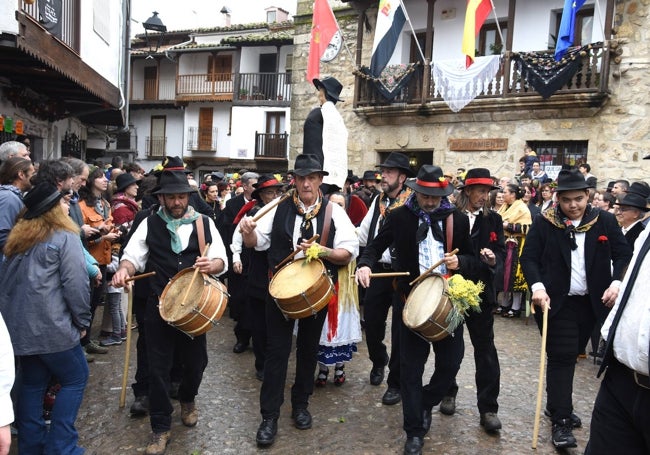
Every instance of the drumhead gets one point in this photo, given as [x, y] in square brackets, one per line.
[423, 301]
[170, 302]
[295, 278]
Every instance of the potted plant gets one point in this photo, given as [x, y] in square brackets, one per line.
[243, 94]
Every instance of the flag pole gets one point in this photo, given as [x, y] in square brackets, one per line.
[496, 19]
[408, 19]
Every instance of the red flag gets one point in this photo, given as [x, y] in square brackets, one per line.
[323, 28]
[477, 12]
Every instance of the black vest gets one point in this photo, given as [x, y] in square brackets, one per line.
[282, 235]
[162, 259]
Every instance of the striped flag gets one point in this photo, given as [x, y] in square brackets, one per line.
[323, 28]
[567, 29]
[390, 21]
[477, 12]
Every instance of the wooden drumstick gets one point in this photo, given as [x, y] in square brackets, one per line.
[196, 272]
[267, 208]
[430, 269]
[298, 250]
[386, 274]
[138, 277]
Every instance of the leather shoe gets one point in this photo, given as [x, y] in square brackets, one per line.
[575, 420]
[426, 420]
[266, 432]
[377, 375]
[391, 396]
[240, 347]
[562, 434]
[301, 418]
[413, 446]
[490, 421]
[259, 374]
[448, 405]
[140, 406]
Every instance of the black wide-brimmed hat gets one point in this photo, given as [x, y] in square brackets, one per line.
[640, 188]
[123, 181]
[41, 199]
[308, 164]
[398, 161]
[331, 85]
[633, 200]
[370, 175]
[351, 177]
[569, 180]
[478, 176]
[430, 181]
[265, 181]
[173, 182]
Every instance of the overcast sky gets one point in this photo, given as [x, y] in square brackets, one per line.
[189, 14]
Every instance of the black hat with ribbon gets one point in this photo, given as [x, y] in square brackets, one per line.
[398, 161]
[265, 181]
[308, 164]
[41, 199]
[430, 181]
[478, 176]
[569, 180]
[370, 175]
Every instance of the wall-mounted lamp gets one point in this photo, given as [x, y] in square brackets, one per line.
[413, 161]
[154, 24]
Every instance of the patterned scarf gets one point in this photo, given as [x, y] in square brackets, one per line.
[102, 208]
[385, 205]
[306, 228]
[558, 219]
[174, 223]
[430, 219]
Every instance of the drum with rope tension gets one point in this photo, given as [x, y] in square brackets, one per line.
[427, 308]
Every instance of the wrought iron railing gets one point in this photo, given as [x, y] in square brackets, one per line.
[156, 146]
[202, 139]
[271, 145]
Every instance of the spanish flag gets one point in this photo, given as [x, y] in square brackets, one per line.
[477, 12]
[390, 21]
[323, 29]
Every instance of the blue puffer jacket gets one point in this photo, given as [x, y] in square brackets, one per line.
[45, 295]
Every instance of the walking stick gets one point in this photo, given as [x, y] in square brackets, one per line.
[129, 321]
[540, 385]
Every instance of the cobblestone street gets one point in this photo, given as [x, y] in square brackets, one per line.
[347, 419]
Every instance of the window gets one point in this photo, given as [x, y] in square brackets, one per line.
[271, 16]
[489, 40]
[584, 26]
[558, 153]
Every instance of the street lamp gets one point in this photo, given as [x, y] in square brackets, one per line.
[154, 24]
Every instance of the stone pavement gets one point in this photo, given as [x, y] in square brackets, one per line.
[347, 419]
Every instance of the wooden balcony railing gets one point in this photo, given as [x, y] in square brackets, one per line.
[205, 84]
[243, 88]
[155, 146]
[70, 17]
[271, 145]
[510, 82]
[202, 139]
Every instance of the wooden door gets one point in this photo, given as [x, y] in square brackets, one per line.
[205, 128]
[150, 83]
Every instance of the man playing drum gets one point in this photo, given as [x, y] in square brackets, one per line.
[168, 242]
[289, 226]
[420, 232]
[486, 230]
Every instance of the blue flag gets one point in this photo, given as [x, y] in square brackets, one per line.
[567, 27]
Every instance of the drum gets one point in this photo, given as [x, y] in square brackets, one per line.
[300, 288]
[206, 302]
[427, 308]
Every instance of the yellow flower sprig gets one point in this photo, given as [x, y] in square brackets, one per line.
[464, 296]
[314, 252]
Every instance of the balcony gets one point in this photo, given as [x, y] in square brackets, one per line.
[156, 146]
[201, 139]
[69, 31]
[253, 89]
[153, 92]
[271, 145]
[507, 97]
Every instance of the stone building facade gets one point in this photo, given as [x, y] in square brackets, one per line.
[616, 129]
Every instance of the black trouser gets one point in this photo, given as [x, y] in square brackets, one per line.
[279, 334]
[237, 284]
[96, 297]
[414, 352]
[379, 297]
[257, 319]
[619, 423]
[162, 340]
[568, 331]
[141, 385]
[488, 373]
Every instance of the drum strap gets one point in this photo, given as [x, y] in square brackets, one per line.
[326, 224]
[450, 232]
[200, 233]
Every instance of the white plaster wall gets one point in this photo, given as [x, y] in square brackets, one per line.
[220, 120]
[141, 121]
[8, 23]
[245, 122]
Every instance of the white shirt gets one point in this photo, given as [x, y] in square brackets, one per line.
[345, 236]
[431, 251]
[633, 332]
[627, 229]
[364, 230]
[137, 250]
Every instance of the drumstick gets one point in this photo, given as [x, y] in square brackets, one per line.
[540, 384]
[196, 272]
[385, 274]
[138, 277]
[298, 250]
[430, 269]
[269, 207]
[127, 353]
